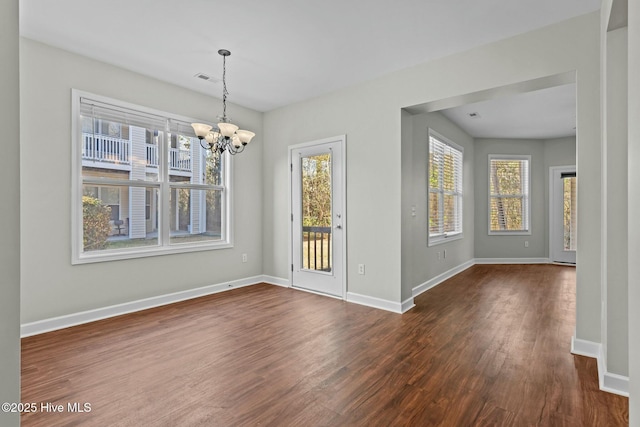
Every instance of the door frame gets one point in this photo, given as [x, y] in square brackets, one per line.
[342, 140]
[552, 205]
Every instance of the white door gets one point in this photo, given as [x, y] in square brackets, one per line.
[317, 216]
[563, 220]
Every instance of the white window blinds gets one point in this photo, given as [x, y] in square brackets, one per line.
[509, 205]
[445, 188]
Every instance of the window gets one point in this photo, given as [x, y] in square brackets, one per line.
[445, 189]
[142, 184]
[509, 204]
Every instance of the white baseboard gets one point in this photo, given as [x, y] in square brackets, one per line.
[512, 261]
[407, 305]
[52, 324]
[441, 278]
[374, 302]
[278, 281]
[609, 382]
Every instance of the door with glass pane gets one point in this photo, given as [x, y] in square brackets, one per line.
[563, 222]
[317, 217]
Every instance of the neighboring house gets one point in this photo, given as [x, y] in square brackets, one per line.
[118, 151]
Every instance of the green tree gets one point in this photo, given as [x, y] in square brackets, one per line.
[95, 223]
[316, 191]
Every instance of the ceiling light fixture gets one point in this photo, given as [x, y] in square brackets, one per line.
[225, 136]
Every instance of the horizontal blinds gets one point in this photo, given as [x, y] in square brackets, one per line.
[445, 187]
[181, 128]
[509, 194]
[118, 114]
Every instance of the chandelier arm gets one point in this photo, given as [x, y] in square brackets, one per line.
[206, 147]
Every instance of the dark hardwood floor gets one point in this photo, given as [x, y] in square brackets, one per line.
[489, 347]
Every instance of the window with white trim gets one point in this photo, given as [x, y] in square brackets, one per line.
[142, 184]
[445, 189]
[509, 190]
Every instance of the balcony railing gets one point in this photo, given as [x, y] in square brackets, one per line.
[152, 155]
[102, 148]
[316, 248]
[180, 159]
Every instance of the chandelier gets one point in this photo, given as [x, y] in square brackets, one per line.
[225, 136]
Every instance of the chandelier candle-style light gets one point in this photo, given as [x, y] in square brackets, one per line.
[224, 136]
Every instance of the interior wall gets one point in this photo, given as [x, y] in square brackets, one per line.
[46, 191]
[617, 350]
[557, 152]
[634, 210]
[501, 246]
[10, 211]
[426, 262]
[370, 116]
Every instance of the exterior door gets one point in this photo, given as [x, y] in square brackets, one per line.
[563, 220]
[317, 216]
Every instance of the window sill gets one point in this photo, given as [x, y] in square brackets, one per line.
[510, 233]
[105, 256]
[438, 240]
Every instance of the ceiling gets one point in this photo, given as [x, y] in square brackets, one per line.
[285, 51]
[541, 114]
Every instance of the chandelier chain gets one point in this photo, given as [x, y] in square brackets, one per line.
[224, 88]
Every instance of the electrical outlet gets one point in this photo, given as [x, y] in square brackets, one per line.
[244, 258]
[526, 243]
[439, 256]
[360, 268]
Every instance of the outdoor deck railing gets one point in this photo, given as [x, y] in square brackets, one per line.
[105, 148]
[317, 253]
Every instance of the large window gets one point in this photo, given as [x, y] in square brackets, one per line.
[445, 189]
[142, 184]
[509, 204]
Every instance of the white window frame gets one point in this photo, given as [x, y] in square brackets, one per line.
[526, 197]
[443, 237]
[163, 185]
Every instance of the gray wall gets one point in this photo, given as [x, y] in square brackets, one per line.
[617, 238]
[9, 211]
[46, 196]
[557, 152]
[634, 211]
[496, 246]
[544, 154]
[420, 262]
[370, 115]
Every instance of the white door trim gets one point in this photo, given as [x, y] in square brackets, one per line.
[342, 140]
[552, 204]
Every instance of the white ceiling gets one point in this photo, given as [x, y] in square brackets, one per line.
[541, 114]
[283, 51]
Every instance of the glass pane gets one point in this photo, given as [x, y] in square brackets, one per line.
[118, 151]
[506, 213]
[449, 214]
[570, 213]
[434, 207]
[316, 213]
[195, 215]
[506, 177]
[189, 162]
[110, 221]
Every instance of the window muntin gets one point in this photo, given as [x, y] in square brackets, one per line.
[509, 189]
[445, 189]
[162, 192]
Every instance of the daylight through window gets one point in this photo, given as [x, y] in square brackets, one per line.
[445, 189]
[509, 205]
[143, 185]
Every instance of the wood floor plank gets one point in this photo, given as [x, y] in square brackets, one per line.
[489, 347]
